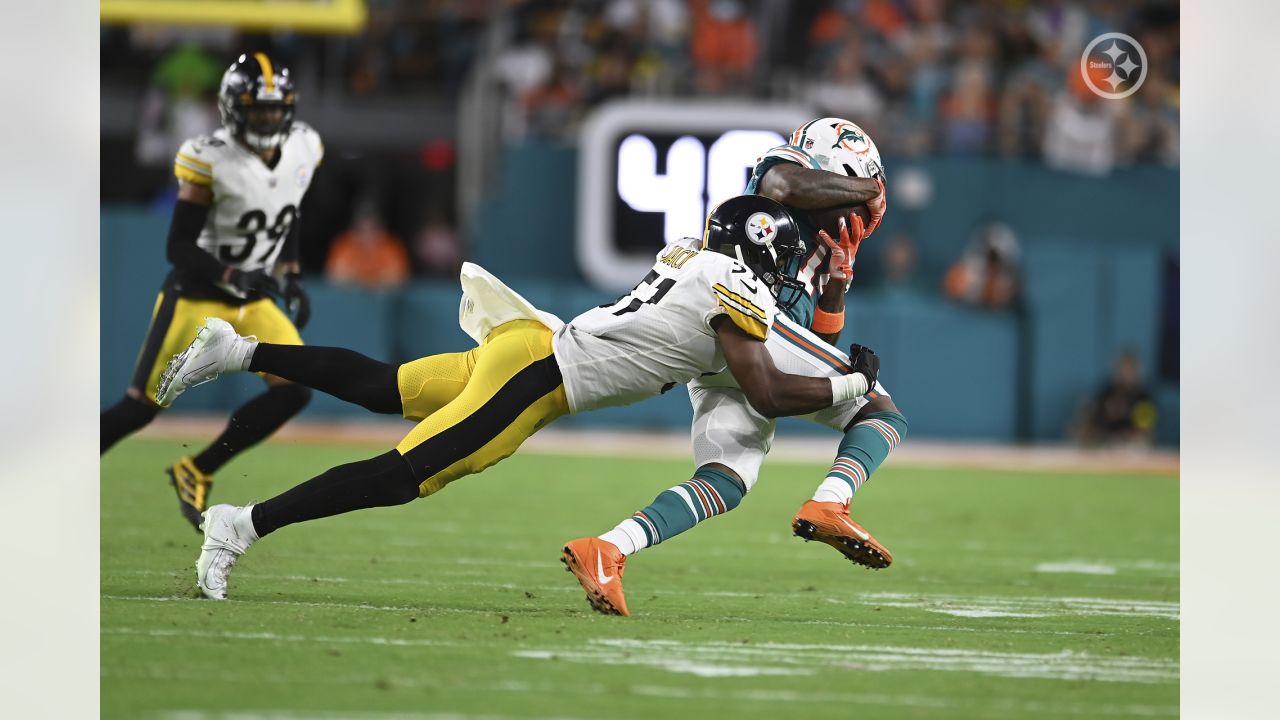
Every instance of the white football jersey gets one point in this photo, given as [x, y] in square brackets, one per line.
[253, 205]
[728, 431]
[659, 335]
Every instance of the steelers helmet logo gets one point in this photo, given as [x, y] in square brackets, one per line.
[760, 228]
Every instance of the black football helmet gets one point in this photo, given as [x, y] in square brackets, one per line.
[761, 234]
[251, 89]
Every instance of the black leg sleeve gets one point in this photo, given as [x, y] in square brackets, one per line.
[252, 423]
[344, 374]
[123, 419]
[377, 482]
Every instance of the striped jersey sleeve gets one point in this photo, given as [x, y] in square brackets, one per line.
[190, 166]
[743, 310]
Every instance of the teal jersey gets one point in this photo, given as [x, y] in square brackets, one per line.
[811, 269]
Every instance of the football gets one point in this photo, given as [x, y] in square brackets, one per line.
[829, 218]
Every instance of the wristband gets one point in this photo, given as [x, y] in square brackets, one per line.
[848, 387]
[825, 323]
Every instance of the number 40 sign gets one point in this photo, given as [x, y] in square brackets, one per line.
[675, 160]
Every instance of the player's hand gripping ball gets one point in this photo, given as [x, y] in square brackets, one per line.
[843, 252]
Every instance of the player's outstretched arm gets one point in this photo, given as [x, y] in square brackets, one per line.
[774, 393]
[809, 189]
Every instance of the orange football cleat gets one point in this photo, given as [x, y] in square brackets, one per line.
[598, 566]
[829, 522]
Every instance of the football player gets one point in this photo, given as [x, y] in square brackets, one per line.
[233, 241]
[705, 307]
[826, 162]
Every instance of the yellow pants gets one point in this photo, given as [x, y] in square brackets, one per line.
[174, 323]
[477, 407]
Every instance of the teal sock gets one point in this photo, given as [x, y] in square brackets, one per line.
[865, 446]
[708, 493]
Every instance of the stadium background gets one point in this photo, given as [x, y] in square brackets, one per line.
[459, 125]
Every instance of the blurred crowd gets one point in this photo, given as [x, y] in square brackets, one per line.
[996, 77]
[924, 77]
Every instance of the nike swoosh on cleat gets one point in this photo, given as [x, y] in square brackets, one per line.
[604, 579]
[855, 530]
[187, 377]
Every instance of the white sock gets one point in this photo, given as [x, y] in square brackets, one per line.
[242, 355]
[243, 523]
[628, 536]
[833, 490]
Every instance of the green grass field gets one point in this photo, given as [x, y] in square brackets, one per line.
[1012, 595]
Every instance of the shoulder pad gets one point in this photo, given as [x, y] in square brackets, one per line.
[788, 153]
[310, 139]
[196, 159]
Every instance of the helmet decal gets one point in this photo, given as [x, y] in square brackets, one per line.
[850, 137]
[760, 228]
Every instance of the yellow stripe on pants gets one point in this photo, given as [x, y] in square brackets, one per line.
[507, 389]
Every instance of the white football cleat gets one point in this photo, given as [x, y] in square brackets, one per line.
[228, 532]
[216, 349]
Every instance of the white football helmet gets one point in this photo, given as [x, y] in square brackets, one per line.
[839, 146]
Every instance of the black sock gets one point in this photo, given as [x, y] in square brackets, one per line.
[344, 374]
[252, 423]
[377, 482]
[123, 419]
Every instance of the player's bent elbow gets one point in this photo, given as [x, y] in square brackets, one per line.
[775, 185]
[766, 404]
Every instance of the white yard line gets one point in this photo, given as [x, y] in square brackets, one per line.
[1029, 605]
[722, 659]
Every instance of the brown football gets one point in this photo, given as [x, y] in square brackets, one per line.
[829, 218]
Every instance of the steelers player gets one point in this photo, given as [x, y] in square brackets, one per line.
[233, 242]
[827, 162]
[706, 306]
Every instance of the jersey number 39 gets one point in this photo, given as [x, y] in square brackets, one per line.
[251, 224]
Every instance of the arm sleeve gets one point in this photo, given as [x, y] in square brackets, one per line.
[292, 242]
[181, 249]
